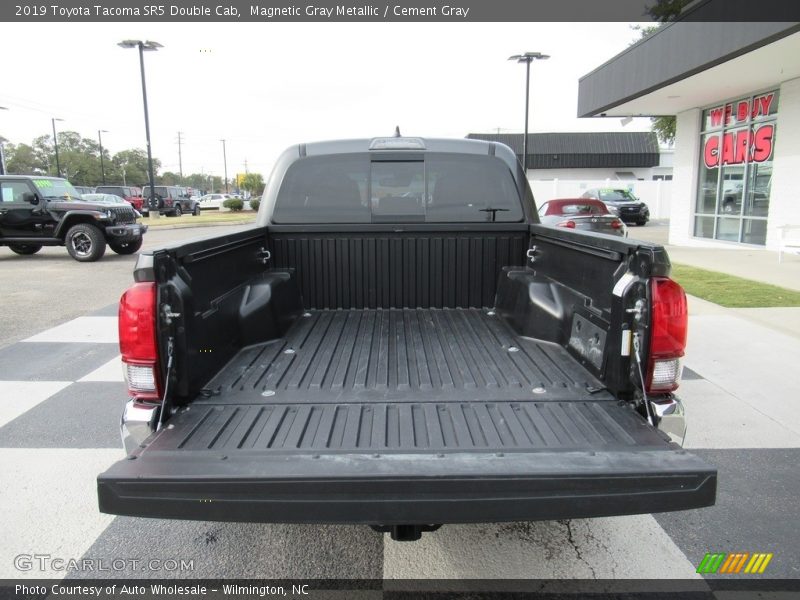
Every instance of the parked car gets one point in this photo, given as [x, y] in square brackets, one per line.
[171, 200]
[83, 189]
[622, 203]
[586, 214]
[109, 199]
[48, 211]
[402, 365]
[130, 193]
[213, 201]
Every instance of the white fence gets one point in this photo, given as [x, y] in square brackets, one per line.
[656, 194]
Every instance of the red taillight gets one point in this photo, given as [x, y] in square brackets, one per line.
[570, 224]
[137, 340]
[670, 320]
[616, 224]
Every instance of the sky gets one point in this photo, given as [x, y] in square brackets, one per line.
[265, 86]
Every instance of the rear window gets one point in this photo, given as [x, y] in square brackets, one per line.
[355, 188]
[107, 189]
[581, 208]
[160, 191]
[616, 196]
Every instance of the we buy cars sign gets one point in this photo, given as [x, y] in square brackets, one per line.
[751, 144]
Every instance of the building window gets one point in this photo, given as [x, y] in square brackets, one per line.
[735, 176]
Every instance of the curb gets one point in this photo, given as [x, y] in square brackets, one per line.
[191, 225]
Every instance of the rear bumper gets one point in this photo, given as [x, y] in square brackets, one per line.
[407, 488]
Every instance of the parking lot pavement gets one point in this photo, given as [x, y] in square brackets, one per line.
[48, 288]
[58, 430]
[61, 394]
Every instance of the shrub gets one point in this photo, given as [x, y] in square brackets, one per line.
[233, 204]
[255, 203]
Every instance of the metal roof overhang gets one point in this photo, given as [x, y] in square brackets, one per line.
[691, 65]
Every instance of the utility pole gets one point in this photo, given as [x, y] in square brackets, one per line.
[225, 159]
[180, 158]
[102, 162]
[245, 166]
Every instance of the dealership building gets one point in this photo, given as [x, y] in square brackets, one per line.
[735, 90]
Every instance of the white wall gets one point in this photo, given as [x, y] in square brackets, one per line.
[596, 174]
[784, 203]
[656, 194]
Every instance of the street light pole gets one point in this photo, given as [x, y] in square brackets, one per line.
[149, 46]
[100, 133]
[2, 154]
[225, 160]
[527, 58]
[55, 142]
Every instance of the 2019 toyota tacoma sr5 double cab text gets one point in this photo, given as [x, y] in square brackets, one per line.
[47, 211]
[398, 342]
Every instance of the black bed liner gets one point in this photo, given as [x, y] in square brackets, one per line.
[402, 355]
[390, 417]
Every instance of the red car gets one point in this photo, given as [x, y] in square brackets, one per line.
[585, 214]
[131, 194]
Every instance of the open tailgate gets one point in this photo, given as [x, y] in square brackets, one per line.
[405, 462]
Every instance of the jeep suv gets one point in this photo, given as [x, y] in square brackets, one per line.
[130, 194]
[47, 211]
[171, 200]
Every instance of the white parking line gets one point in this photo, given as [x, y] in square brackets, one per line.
[49, 505]
[98, 330]
[111, 371]
[17, 397]
[613, 547]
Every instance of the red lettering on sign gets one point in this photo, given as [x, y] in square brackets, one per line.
[711, 152]
[762, 143]
[728, 113]
[716, 116]
[741, 110]
[742, 143]
[764, 103]
[736, 146]
[727, 148]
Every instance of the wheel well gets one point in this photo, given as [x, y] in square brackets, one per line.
[68, 222]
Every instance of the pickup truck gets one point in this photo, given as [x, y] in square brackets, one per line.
[398, 342]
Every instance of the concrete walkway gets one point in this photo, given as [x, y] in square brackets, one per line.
[749, 263]
[742, 261]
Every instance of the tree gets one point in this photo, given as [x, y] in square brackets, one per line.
[253, 183]
[169, 178]
[130, 166]
[21, 159]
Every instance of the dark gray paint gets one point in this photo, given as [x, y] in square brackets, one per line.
[756, 510]
[240, 550]
[82, 415]
[675, 52]
[51, 361]
[584, 150]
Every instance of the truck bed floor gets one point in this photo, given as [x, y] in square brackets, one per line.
[403, 355]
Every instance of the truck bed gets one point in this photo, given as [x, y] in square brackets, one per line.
[404, 356]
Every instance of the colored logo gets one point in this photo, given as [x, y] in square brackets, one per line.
[737, 562]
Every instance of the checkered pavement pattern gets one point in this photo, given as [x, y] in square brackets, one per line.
[62, 393]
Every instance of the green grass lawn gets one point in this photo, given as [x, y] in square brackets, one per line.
[730, 291]
[206, 217]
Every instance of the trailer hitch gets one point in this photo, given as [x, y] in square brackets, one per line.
[404, 533]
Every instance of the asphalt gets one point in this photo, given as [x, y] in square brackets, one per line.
[61, 394]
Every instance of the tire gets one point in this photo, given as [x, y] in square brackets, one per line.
[125, 247]
[178, 211]
[641, 223]
[25, 249]
[196, 211]
[85, 242]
